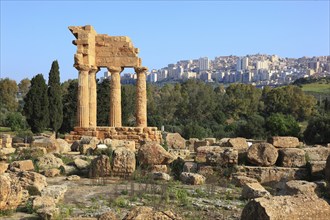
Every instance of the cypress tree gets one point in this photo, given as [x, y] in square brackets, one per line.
[36, 105]
[55, 98]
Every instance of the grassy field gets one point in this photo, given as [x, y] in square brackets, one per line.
[321, 88]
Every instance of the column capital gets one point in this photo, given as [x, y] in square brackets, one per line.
[94, 69]
[82, 67]
[114, 69]
[141, 69]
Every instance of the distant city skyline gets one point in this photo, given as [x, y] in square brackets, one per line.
[34, 33]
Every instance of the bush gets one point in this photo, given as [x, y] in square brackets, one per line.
[282, 125]
[177, 167]
[318, 130]
[16, 121]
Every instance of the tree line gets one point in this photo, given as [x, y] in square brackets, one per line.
[192, 108]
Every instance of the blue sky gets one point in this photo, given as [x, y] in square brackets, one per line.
[34, 33]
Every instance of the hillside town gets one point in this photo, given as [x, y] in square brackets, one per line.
[258, 69]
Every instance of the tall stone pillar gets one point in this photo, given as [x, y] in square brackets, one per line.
[115, 97]
[83, 98]
[141, 97]
[92, 97]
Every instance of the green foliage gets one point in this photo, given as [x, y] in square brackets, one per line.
[8, 91]
[289, 100]
[318, 130]
[282, 125]
[251, 127]
[24, 86]
[36, 105]
[16, 121]
[243, 100]
[55, 98]
[69, 105]
[128, 99]
[177, 167]
[121, 202]
[103, 102]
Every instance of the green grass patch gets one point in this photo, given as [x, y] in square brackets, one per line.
[322, 88]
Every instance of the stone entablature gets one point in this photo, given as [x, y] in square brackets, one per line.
[115, 53]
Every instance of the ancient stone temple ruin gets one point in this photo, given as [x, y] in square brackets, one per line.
[114, 53]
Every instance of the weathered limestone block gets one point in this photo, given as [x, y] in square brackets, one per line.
[45, 207]
[120, 143]
[52, 172]
[23, 165]
[211, 141]
[175, 141]
[64, 146]
[73, 178]
[152, 153]
[50, 144]
[7, 151]
[262, 154]
[3, 167]
[274, 174]
[286, 207]
[240, 180]
[10, 192]
[327, 170]
[205, 170]
[294, 187]
[254, 190]
[93, 141]
[291, 157]
[81, 164]
[158, 168]
[190, 167]
[238, 143]
[204, 150]
[226, 157]
[161, 176]
[190, 143]
[100, 167]
[148, 213]
[192, 178]
[56, 192]
[123, 161]
[49, 161]
[86, 149]
[316, 169]
[317, 153]
[199, 143]
[33, 182]
[182, 153]
[69, 170]
[284, 142]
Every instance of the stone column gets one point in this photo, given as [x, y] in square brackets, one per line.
[141, 97]
[83, 98]
[115, 97]
[92, 97]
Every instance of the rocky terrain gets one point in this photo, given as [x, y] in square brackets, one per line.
[231, 178]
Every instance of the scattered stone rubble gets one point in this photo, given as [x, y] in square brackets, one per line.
[283, 164]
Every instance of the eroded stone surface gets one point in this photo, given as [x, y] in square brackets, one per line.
[10, 192]
[286, 207]
[291, 157]
[262, 154]
[283, 142]
[154, 154]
